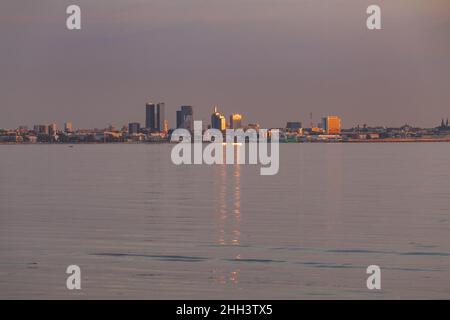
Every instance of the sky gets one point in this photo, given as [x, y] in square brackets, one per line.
[271, 60]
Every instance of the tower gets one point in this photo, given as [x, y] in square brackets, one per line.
[155, 116]
[218, 120]
[185, 118]
[236, 121]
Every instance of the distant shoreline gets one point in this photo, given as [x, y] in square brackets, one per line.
[399, 140]
[389, 140]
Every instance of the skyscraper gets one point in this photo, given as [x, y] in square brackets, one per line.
[185, 118]
[236, 121]
[218, 120]
[155, 116]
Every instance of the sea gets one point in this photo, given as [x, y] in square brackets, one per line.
[140, 227]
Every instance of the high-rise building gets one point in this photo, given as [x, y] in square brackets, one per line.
[185, 118]
[323, 124]
[52, 129]
[294, 125]
[155, 116]
[218, 120]
[236, 121]
[331, 124]
[134, 128]
[68, 127]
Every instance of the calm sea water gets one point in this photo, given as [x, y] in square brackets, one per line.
[141, 227]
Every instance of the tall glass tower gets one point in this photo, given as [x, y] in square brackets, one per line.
[155, 116]
[185, 118]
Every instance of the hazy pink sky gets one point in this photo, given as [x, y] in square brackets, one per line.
[273, 61]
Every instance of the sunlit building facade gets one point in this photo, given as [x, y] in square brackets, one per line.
[331, 125]
[68, 127]
[52, 129]
[235, 121]
[218, 120]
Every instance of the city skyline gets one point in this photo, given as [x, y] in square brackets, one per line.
[294, 57]
[155, 119]
[172, 124]
[156, 129]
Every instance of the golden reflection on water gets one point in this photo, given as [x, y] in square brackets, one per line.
[228, 216]
[229, 209]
